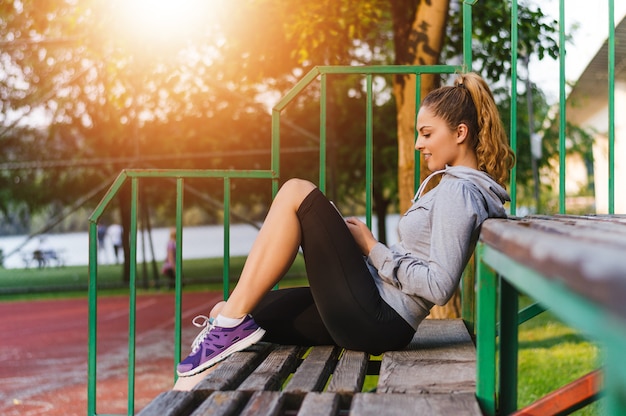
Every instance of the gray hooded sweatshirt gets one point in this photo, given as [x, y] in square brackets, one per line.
[437, 236]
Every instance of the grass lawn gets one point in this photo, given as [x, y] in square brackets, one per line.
[198, 274]
[551, 354]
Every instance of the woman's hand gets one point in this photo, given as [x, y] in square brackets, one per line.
[361, 234]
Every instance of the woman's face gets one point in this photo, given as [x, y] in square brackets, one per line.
[439, 145]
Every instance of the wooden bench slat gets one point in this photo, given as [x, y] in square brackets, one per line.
[314, 371]
[442, 359]
[581, 229]
[319, 404]
[366, 404]
[350, 373]
[273, 371]
[222, 403]
[173, 402]
[264, 403]
[228, 374]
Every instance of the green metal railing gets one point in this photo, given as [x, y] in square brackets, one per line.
[226, 175]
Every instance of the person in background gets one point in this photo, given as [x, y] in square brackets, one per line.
[363, 295]
[115, 234]
[169, 265]
[101, 234]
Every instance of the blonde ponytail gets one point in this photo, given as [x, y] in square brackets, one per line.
[471, 102]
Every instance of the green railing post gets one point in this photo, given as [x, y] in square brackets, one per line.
[369, 152]
[323, 111]
[485, 334]
[93, 319]
[417, 174]
[611, 121]
[562, 107]
[180, 188]
[132, 297]
[226, 270]
[508, 347]
[513, 131]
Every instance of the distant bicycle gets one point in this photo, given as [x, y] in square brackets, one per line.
[43, 258]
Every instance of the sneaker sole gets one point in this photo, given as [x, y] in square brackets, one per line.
[242, 344]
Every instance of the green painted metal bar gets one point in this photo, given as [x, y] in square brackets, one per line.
[199, 173]
[323, 109]
[509, 303]
[226, 270]
[513, 131]
[486, 281]
[369, 151]
[391, 69]
[611, 70]
[178, 313]
[108, 197]
[562, 107]
[300, 85]
[275, 150]
[614, 369]
[530, 312]
[93, 319]
[417, 174]
[132, 297]
[468, 296]
[467, 33]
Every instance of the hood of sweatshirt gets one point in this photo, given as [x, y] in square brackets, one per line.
[495, 195]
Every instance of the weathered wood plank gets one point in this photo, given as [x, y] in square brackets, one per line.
[222, 403]
[370, 404]
[580, 228]
[273, 371]
[442, 359]
[594, 270]
[172, 403]
[319, 404]
[443, 338]
[350, 373]
[314, 371]
[265, 403]
[229, 373]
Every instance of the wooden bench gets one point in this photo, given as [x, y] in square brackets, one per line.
[434, 376]
[575, 266]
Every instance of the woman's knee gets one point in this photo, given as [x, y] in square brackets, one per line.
[296, 189]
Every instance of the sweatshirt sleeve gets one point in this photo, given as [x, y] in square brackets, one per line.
[456, 214]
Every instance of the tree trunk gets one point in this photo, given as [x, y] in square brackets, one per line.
[418, 41]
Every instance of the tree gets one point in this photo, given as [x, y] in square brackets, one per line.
[122, 98]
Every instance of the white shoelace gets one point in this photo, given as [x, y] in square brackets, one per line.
[206, 324]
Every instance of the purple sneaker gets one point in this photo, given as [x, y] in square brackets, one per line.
[218, 343]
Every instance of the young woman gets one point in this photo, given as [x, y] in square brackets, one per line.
[363, 295]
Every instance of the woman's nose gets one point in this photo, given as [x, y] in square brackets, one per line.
[418, 143]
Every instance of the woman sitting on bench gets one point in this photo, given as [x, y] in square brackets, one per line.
[363, 295]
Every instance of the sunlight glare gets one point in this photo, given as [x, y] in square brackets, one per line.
[159, 20]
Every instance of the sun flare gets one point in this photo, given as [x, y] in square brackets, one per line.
[159, 20]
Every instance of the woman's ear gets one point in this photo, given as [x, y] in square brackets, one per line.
[461, 133]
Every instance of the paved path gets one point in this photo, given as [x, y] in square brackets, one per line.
[43, 352]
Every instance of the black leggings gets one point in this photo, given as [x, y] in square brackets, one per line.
[342, 305]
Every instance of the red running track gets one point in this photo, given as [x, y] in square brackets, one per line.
[43, 352]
